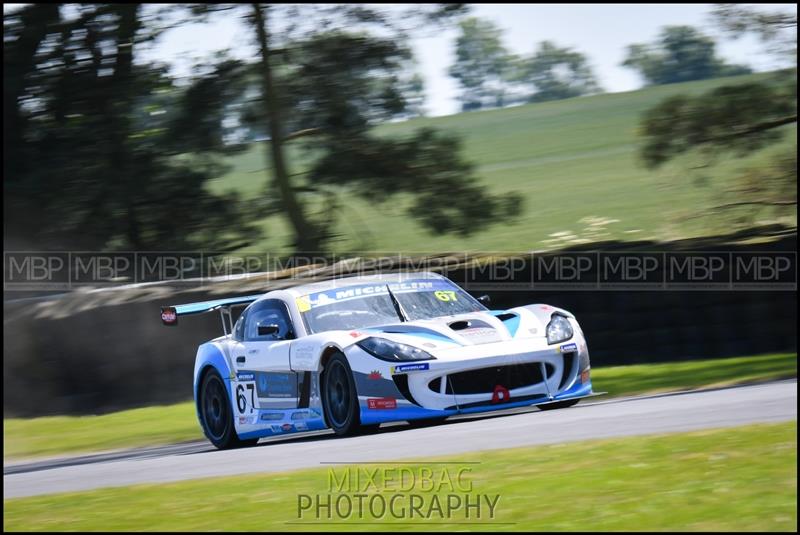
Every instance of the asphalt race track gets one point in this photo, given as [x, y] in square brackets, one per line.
[773, 402]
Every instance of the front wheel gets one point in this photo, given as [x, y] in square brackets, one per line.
[558, 405]
[216, 416]
[339, 398]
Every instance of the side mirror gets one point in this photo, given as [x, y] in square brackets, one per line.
[264, 330]
[484, 300]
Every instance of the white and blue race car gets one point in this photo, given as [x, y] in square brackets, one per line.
[352, 353]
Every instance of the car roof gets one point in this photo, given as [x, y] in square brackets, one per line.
[343, 282]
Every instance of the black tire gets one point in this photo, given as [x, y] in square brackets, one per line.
[558, 405]
[216, 416]
[339, 398]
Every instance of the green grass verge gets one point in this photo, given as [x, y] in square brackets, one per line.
[575, 162]
[56, 435]
[686, 375]
[48, 436]
[740, 479]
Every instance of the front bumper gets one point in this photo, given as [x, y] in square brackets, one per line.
[496, 379]
[482, 378]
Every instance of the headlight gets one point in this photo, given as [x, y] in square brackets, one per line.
[559, 329]
[392, 351]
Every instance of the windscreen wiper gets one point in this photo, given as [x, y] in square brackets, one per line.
[397, 306]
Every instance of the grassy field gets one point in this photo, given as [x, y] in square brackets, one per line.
[575, 162]
[56, 435]
[672, 376]
[740, 479]
[24, 438]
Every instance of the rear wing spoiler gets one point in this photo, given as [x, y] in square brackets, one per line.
[170, 314]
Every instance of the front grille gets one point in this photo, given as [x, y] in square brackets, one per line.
[484, 380]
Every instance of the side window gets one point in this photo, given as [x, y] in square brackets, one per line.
[270, 312]
[238, 328]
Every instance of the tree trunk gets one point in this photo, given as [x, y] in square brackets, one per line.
[122, 84]
[306, 235]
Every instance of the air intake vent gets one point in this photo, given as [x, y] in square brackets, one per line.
[401, 382]
[569, 361]
[436, 385]
[459, 325]
[486, 379]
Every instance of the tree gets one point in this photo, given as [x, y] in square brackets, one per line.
[739, 119]
[680, 54]
[555, 73]
[413, 91]
[325, 87]
[735, 119]
[305, 232]
[118, 155]
[23, 33]
[482, 66]
[95, 157]
[778, 28]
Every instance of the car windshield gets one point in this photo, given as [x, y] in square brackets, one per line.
[367, 305]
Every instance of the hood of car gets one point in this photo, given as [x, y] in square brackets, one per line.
[468, 329]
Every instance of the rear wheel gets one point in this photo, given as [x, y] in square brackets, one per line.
[339, 398]
[215, 414]
[558, 405]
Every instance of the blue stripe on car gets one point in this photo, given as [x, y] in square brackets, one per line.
[512, 324]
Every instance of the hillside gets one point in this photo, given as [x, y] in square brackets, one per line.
[575, 161]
